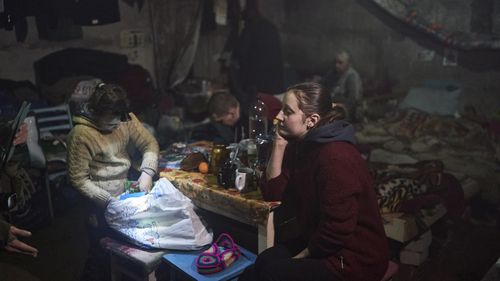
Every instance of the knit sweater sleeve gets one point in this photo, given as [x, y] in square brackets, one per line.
[272, 190]
[338, 207]
[79, 159]
[146, 143]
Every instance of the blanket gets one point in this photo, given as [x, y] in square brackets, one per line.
[408, 136]
[410, 187]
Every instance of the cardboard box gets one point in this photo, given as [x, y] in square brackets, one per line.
[404, 228]
[413, 258]
[421, 244]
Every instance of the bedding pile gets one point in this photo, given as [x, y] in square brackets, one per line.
[465, 148]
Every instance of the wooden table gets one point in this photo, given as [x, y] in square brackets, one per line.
[247, 208]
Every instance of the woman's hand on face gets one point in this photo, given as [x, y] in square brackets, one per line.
[145, 182]
[279, 140]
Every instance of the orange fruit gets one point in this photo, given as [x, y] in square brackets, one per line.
[203, 167]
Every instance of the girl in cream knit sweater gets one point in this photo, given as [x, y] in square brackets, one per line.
[98, 161]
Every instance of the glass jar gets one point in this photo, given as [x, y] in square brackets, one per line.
[218, 156]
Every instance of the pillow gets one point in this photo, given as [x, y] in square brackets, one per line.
[433, 100]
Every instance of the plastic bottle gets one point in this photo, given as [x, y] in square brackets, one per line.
[257, 122]
[227, 172]
[252, 154]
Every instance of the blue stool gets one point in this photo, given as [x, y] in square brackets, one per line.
[184, 262]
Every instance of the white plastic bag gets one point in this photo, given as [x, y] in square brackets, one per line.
[163, 218]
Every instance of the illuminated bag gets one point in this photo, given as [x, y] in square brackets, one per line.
[162, 219]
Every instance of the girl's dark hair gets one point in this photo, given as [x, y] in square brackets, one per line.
[108, 99]
[313, 98]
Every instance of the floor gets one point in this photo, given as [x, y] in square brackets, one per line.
[62, 246]
[461, 251]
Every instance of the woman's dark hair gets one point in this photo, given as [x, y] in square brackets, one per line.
[108, 99]
[313, 98]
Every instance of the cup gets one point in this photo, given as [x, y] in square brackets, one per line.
[244, 179]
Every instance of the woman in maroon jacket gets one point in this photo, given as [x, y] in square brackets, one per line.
[315, 165]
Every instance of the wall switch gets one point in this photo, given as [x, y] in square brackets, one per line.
[132, 38]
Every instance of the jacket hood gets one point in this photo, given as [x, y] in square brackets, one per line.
[84, 117]
[84, 120]
[339, 130]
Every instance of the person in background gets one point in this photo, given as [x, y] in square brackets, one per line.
[8, 233]
[344, 85]
[226, 125]
[98, 162]
[256, 62]
[316, 171]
